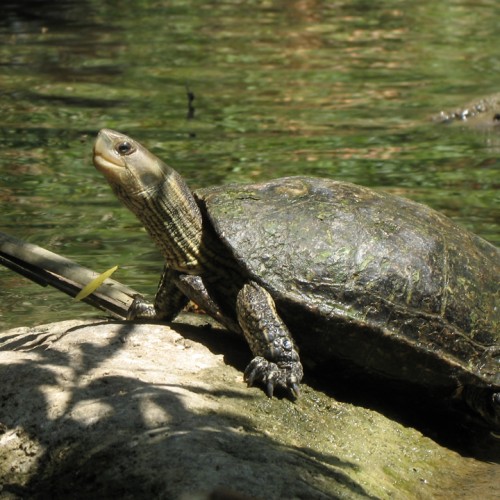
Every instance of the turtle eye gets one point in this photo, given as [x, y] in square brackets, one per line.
[124, 148]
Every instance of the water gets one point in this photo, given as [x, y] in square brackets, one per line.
[334, 89]
[339, 89]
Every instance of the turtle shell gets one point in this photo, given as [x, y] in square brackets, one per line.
[367, 277]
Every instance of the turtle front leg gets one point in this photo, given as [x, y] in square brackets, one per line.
[276, 361]
[169, 300]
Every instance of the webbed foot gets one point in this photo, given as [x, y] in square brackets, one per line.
[271, 375]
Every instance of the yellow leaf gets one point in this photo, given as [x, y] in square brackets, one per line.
[94, 284]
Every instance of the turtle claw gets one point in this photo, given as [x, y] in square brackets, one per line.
[270, 389]
[295, 390]
[272, 375]
[256, 371]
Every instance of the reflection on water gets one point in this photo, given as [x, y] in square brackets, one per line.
[341, 89]
[336, 89]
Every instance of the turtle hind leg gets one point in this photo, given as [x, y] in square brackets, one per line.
[495, 402]
[276, 362]
[484, 401]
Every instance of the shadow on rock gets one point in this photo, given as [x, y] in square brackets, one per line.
[133, 411]
[448, 423]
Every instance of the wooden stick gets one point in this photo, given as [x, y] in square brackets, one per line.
[48, 268]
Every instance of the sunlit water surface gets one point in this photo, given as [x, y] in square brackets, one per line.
[336, 89]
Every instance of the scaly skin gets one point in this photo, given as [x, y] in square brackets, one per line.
[359, 277]
[197, 266]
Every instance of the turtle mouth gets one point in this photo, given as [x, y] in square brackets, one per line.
[113, 172]
[104, 156]
[104, 163]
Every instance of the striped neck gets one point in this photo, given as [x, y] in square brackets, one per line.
[173, 219]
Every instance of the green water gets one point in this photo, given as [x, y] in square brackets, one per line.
[339, 89]
[334, 89]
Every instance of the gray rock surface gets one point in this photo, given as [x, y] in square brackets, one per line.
[100, 409]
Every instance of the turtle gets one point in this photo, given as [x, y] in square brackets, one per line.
[347, 274]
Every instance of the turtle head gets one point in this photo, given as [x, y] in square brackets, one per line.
[131, 170]
[156, 194]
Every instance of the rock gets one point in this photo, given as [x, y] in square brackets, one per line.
[483, 113]
[103, 409]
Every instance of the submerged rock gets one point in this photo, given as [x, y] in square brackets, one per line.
[116, 410]
[480, 113]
